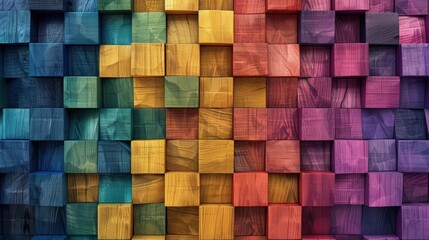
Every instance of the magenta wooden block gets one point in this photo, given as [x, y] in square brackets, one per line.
[314, 92]
[282, 156]
[381, 155]
[411, 7]
[347, 28]
[380, 237]
[350, 156]
[282, 123]
[315, 220]
[316, 189]
[381, 92]
[412, 221]
[412, 156]
[317, 237]
[317, 27]
[381, 5]
[412, 30]
[350, 5]
[316, 5]
[346, 219]
[350, 60]
[316, 124]
[413, 92]
[315, 61]
[348, 123]
[315, 156]
[383, 189]
[411, 60]
[349, 189]
[346, 93]
[415, 188]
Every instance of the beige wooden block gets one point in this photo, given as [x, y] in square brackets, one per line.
[115, 61]
[182, 189]
[148, 156]
[216, 92]
[182, 29]
[216, 188]
[148, 188]
[216, 222]
[216, 156]
[181, 6]
[216, 27]
[215, 123]
[182, 155]
[250, 93]
[183, 59]
[115, 221]
[147, 59]
[149, 92]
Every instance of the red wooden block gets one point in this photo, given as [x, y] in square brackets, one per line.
[282, 92]
[381, 5]
[381, 92]
[250, 59]
[412, 29]
[249, 221]
[350, 5]
[350, 59]
[249, 156]
[347, 28]
[284, 221]
[283, 6]
[182, 123]
[348, 123]
[250, 189]
[282, 156]
[349, 189]
[350, 156]
[346, 93]
[314, 92]
[383, 189]
[249, 28]
[282, 123]
[283, 60]
[315, 61]
[282, 28]
[316, 5]
[316, 124]
[249, 6]
[250, 124]
[316, 189]
[315, 220]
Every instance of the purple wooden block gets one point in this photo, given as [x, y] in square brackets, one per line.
[349, 189]
[315, 61]
[316, 124]
[347, 28]
[380, 237]
[412, 221]
[348, 123]
[378, 123]
[350, 156]
[346, 219]
[282, 123]
[413, 156]
[383, 189]
[381, 155]
[348, 237]
[427, 120]
[411, 60]
[427, 96]
[317, 237]
[411, 7]
[314, 92]
[381, 5]
[315, 156]
[346, 93]
[413, 92]
[382, 60]
[415, 187]
[350, 59]
[381, 92]
[317, 27]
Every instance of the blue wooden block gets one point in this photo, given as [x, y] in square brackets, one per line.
[16, 156]
[114, 157]
[8, 5]
[82, 60]
[410, 124]
[50, 220]
[50, 156]
[15, 26]
[50, 28]
[48, 189]
[14, 189]
[1, 124]
[149, 123]
[82, 5]
[16, 123]
[81, 28]
[379, 220]
[48, 5]
[47, 59]
[81, 218]
[116, 124]
[49, 237]
[413, 92]
[16, 237]
[18, 220]
[2, 94]
[378, 123]
[115, 188]
[84, 124]
[82, 237]
[1, 63]
[16, 61]
[48, 124]
[116, 29]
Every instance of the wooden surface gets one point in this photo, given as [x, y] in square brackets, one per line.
[350, 60]
[115, 221]
[381, 92]
[316, 5]
[390, 182]
[82, 92]
[181, 91]
[180, 7]
[249, 156]
[250, 189]
[317, 27]
[282, 156]
[115, 61]
[216, 5]
[147, 60]
[284, 221]
[80, 156]
[317, 189]
[282, 123]
[216, 156]
[182, 155]
[381, 6]
[282, 92]
[115, 188]
[182, 189]
[250, 59]
[182, 123]
[347, 28]
[216, 27]
[317, 124]
[249, 6]
[315, 156]
[51, 119]
[249, 92]
[215, 124]
[382, 28]
[250, 221]
[148, 188]
[148, 156]
[281, 28]
[116, 124]
[182, 29]
[216, 92]
[183, 59]
[81, 28]
[315, 61]
[283, 6]
[350, 5]
[149, 219]
[283, 188]
[116, 29]
[81, 218]
[118, 93]
[315, 220]
[82, 187]
[149, 123]
[346, 93]
[350, 156]
[149, 6]
[250, 124]
[216, 188]
[348, 124]
[249, 28]
[411, 29]
[346, 219]
[148, 92]
[183, 221]
[217, 61]
[114, 157]
[283, 60]
[215, 217]
[314, 92]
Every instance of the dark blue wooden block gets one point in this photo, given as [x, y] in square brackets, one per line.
[48, 189]
[8, 5]
[47, 60]
[50, 28]
[48, 5]
[16, 123]
[82, 5]
[14, 189]
[50, 156]
[382, 60]
[413, 92]
[149, 123]
[84, 124]
[15, 26]
[381, 28]
[83, 60]
[48, 124]
[378, 123]
[1, 124]
[16, 61]
[410, 124]
[317, 27]
[2, 96]
[379, 220]
[18, 220]
[50, 220]
[81, 28]
[116, 29]
[381, 155]
[49, 237]
[114, 157]
[115, 188]
[16, 156]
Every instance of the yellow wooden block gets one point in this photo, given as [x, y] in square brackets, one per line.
[182, 29]
[183, 59]
[148, 237]
[283, 188]
[217, 5]
[149, 92]
[216, 92]
[115, 61]
[115, 221]
[182, 189]
[147, 59]
[181, 6]
[250, 92]
[82, 187]
[216, 222]
[182, 155]
[216, 188]
[215, 123]
[216, 27]
[148, 188]
[216, 156]
[147, 156]
[149, 6]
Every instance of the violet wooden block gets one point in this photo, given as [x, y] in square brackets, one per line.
[381, 155]
[316, 5]
[316, 189]
[350, 5]
[412, 221]
[378, 123]
[381, 92]
[379, 220]
[349, 189]
[427, 118]
[382, 28]
[315, 220]
[380, 237]
[350, 156]
[412, 30]
[415, 188]
[314, 92]
[381, 5]
[411, 7]
[317, 27]
[412, 156]
[412, 60]
[346, 219]
[315, 156]
[348, 123]
[350, 60]
[347, 28]
[282, 123]
[413, 92]
[383, 189]
[316, 124]
[315, 61]
[346, 92]
[410, 124]
[382, 60]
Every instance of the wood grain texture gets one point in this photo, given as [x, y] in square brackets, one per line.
[411, 60]
[149, 123]
[115, 61]
[216, 61]
[281, 28]
[249, 28]
[18, 63]
[84, 124]
[282, 92]
[316, 189]
[181, 91]
[118, 93]
[381, 6]
[378, 123]
[315, 220]
[316, 124]
[216, 188]
[18, 219]
[81, 28]
[315, 156]
[250, 189]
[217, 5]
[249, 92]
[216, 156]
[412, 29]
[48, 189]
[116, 124]
[115, 188]
[54, 120]
[17, 156]
[215, 124]
[284, 221]
[316, 5]
[182, 155]
[115, 6]
[350, 60]
[182, 123]
[346, 93]
[284, 60]
[314, 92]
[216, 27]
[283, 6]
[410, 222]
[80, 156]
[283, 188]
[382, 28]
[250, 124]
[147, 60]
[148, 188]
[250, 59]
[148, 237]
[182, 221]
[183, 59]
[81, 218]
[181, 7]
[411, 7]
[15, 189]
[182, 29]
[249, 156]
[82, 60]
[116, 29]
[381, 155]
[216, 92]
[350, 156]
[346, 219]
[348, 124]
[114, 157]
[315, 61]
[350, 5]
[148, 157]
[249, 221]
[16, 26]
[115, 221]
[82, 187]
[412, 93]
[349, 189]
[347, 28]
[149, 6]
[383, 189]
[249, 6]
[317, 27]
[215, 217]
[410, 124]
[414, 189]
[148, 92]
[149, 219]
[82, 92]
[282, 156]
[16, 123]
[182, 189]
[282, 123]
[47, 60]
[381, 92]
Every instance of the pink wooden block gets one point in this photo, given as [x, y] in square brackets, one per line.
[412, 221]
[284, 221]
[249, 6]
[350, 156]
[381, 5]
[316, 124]
[282, 156]
[412, 29]
[346, 219]
[249, 156]
[317, 189]
[315, 220]
[350, 60]
[282, 123]
[282, 92]
[315, 61]
[349, 189]
[383, 189]
[348, 123]
[381, 92]
[283, 60]
[250, 124]
[316, 5]
[249, 28]
[346, 93]
[250, 59]
[350, 5]
[250, 189]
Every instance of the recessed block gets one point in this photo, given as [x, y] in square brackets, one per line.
[81, 218]
[83, 60]
[149, 92]
[83, 124]
[350, 60]
[411, 7]
[415, 187]
[15, 26]
[283, 188]
[284, 221]
[378, 123]
[16, 156]
[282, 123]
[282, 92]
[148, 156]
[410, 124]
[315, 61]
[412, 30]
[250, 59]
[149, 6]
[81, 28]
[80, 156]
[181, 92]
[316, 5]
[249, 156]
[283, 6]
[281, 28]
[182, 189]
[249, 6]
[284, 60]
[186, 6]
[149, 219]
[250, 124]
[315, 156]
[249, 28]
[216, 27]
[82, 187]
[381, 92]
[17, 64]
[317, 189]
[382, 60]
[213, 217]
[148, 188]
[411, 221]
[216, 156]
[177, 217]
[182, 124]
[147, 59]
[49, 220]
[111, 6]
[282, 156]
[317, 27]
[216, 5]
[15, 189]
[383, 189]
[348, 124]
[382, 28]
[350, 156]
[115, 188]
[381, 155]
[48, 189]
[183, 59]
[316, 124]
[118, 93]
[349, 189]
[82, 92]
[115, 61]
[348, 28]
[52, 119]
[216, 188]
[346, 219]
[182, 155]
[149, 27]
[346, 92]
[215, 124]
[314, 92]
[18, 219]
[216, 61]
[149, 123]
[47, 60]
[412, 156]
[249, 92]
[315, 220]
[379, 220]
[250, 189]
[413, 93]
[116, 124]
[115, 221]
[114, 157]
[381, 6]
[250, 221]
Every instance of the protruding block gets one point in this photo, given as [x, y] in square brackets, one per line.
[216, 61]
[315, 156]
[249, 156]
[149, 123]
[47, 60]
[382, 60]
[284, 221]
[315, 61]
[216, 27]
[115, 61]
[115, 221]
[282, 92]
[411, 60]
[16, 123]
[382, 28]
[348, 124]
[249, 28]
[182, 123]
[381, 6]
[147, 59]
[149, 6]
[411, 7]
[283, 188]
[250, 59]
[284, 60]
[250, 92]
[412, 156]
[314, 92]
[250, 189]
[48, 189]
[415, 187]
[15, 26]
[350, 156]
[216, 188]
[381, 92]
[249, 6]
[249, 221]
[410, 124]
[51, 119]
[250, 124]
[381, 155]
[182, 155]
[281, 28]
[349, 189]
[81, 28]
[116, 29]
[82, 92]
[148, 156]
[216, 5]
[115, 188]
[215, 124]
[116, 124]
[350, 60]
[149, 92]
[82, 187]
[213, 217]
[182, 189]
[350, 5]
[216, 92]
[148, 188]
[317, 27]
[282, 156]
[316, 124]
[80, 156]
[149, 219]
[81, 218]
[411, 221]
[282, 123]
[346, 219]
[181, 92]
[149, 27]
[16, 156]
[283, 6]
[412, 30]
[317, 189]
[378, 123]
[186, 6]
[115, 6]
[383, 189]
[114, 157]
[183, 60]
[214, 160]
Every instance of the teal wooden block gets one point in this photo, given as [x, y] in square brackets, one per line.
[116, 29]
[115, 5]
[1, 124]
[82, 92]
[81, 218]
[149, 123]
[181, 92]
[15, 26]
[84, 124]
[81, 28]
[115, 188]
[16, 123]
[80, 156]
[149, 27]
[118, 93]
[149, 219]
[116, 124]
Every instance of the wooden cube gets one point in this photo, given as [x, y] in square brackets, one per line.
[283, 6]
[315, 156]
[47, 189]
[216, 5]
[182, 123]
[317, 189]
[81, 28]
[315, 61]
[81, 218]
[182, 29]
[350, 5]
[118, 93]
[147, 60]
[116, 29]
[348, 124]
[148, 92]
[181, 7]
[412, 60]
[182, 155]
[148, 188]
[316, 5]
[283, 188]
[281, 28]
[250, 221]
[282, 156]
[317, 27]
[316, 124]
[80, 156]
[382, 28]
[149, 219]
[350, 156]
[115, 61]
[213, 217]
[249, 156]
[215, 124]
[282, 92]
[216, 92]
[16, 123]
[82, 187]
[412, 29]
[216, 188]
[46, 60]
[182, 189]
[381, 92]
[115, 221]
[183, 60]
[84, 124]
[382, 60]
[415, 189]
[383, 189]
[114, 157]
[82, 92]
[115, 188]
[346, 92]
[249, 28]
[250, 189]
[249, 6]
[315, 220]
[149, 27]
[181, 92]
[216, 61]
[17, 156]
[250, 124]
[378, 123]
[18, 29]
[82, 60]
[412, 93]
[149, 6]
[347, 28]
[148, 156]
[314, 92]
[346, 219]
[350, 60]
[282, 123]
[51, 119]
[411, 219]
[116, 124]
[149, 123]
[115, 6]
[250, 59]
[410, 124]
[283, 60]
[249, 92]
[177, 217]
[411, 7]
[216, 27]
[17, 187]
[382, 155]
[350, 189]
[284, 221]
[216, 156]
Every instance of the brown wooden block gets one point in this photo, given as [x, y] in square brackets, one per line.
[182, 155]
[283, 6]
[283, 60]
[149, 5]
[148, 237]
[250, 189]
[182, 189]
[82, 187]
[249, 28]
[183, 59]
[284, 221]
[216, 92]
[147, 59]
[182, 237]
[182, 123]
[282, 123]
[250, 59]
[148, 92]
[249, 221]
[115, 61]
[216, 156]
[282, 156]
[250, 124]
[249, 6]
[148, 157]
[215, 123]
[182, 221]
[115, 221]
[216, 27]
[148, 188]
[250, 92]
[215, 217]
[216, 188]
[249, 156]
[282, 92]
[181, 7]
[283, 188]
[282, 29]
[216, 61]
[182, 29]
[216, 4]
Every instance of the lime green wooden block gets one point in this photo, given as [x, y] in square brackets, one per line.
[84, 124]
[81, 218]
[149, 123]
[149, 27]
[118, 93]
[115, 5]
[181, 92]
[82, 92]
[80, 156]
[149, 219]
[116, 124]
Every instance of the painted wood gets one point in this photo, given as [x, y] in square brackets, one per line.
[82, 92]
[347, 28]
[111, 6]
[283, 188]
[115, 188]
[81, 218]
[216, 188]
[282, 156]
[250, 92]
[410, 124]
[412, 29]
[382, 60]
[50, 156]
[181, 92]
[315, 220]
[346, 219]
[250, 59]
[411, 156]
[349, 189]
[379, 220]
[410, 221]
[116, 124]
[314, 92]
[82, 6]
[216, 27]
[316, 124]
[378, 123]
[412, 93]
[215, 124]
[382, 28]
[249, 221]
[81, 28]
[282, 92]
[149, 92]
[346, 93]
[147, 59]
[350, 156]
[411, 7]
[348, 124]
[149, 6]
[249, 28]
[216, 156]
[411, 60]
[149, 219]
[414, 189]
[118, 93]
[315, 156]
[83, 60]
[315, 61]
[282, 123]
[350, 5]
[183, 59]
[182, 123]
[284, 221]
[317, 27]
[381, 6]
[83, 124]
[48, 189]
[82, 187]
[381, 155]
[16, 156]
[381, 92]
[284, 60]
[317, 189]
[148, 157]
[115, 221]
[283, 6]
[217, 5]
[186, 6]
[250, 189]
[16, 123]
[114, 157]
[182, 189]
[47, 60]
[316, 5]
[249, 156]
[250, 124]
[177, 217]
[383, 189]
[149, 123]
[80, 156]
[116, 29]
[216, 92]
[15, 189]
[148, 188]
[249, 6]
[182, 155]
[19, 219]
[15, 26]
[52, 119]
[350, 59]
[49, 220]
[149, 27]
[17, 64]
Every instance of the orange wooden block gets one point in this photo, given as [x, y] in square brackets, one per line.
[284, 221]
[115, 221]
[148, 188]
[216, 27]
[115, 61]
[283, 6]
[182, 189]
[216, 156]
[149, 92]
[216, 4]
[250, 189]
[147, 59]
[282, 156]
[182, 29]
[284, 60]
[148, 156]
[216, 188]
[215, 123]
[283, 188]
[250, 92]
[183, 59]
[216, 92]
[216, 61]
[250, 124]
[250, 59]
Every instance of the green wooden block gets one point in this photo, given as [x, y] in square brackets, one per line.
[84, 124]
[81, 218]
[82, 92]
[16, 123]
[118, 93]
[80, 156]
[149, 27]
[181, 92]
[115, 5]
[149, 123]
[115, 188]
[149, 219]
[116, 124]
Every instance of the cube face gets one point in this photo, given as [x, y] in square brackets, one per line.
[318, 5]
[386, 216]
[350, 60]
[282, 157]
[82, 60]
[16, 123]
[283, 6]
[46, 60]
[216, 188]
[82, 187]
[216, 156]
[243, 53]
[315, 156]
[314, 196]
[382, 60]
[282, 92]
[350, 5]
[249, 156]
[149, 6]
[350, 156]
[182, 155]
[81, 28]
[149, 92]
[411, 219]
[118, 93]
[283, 188]
[316, 124]
[181, 92]
[249, 6]
[349, 189]
[116, 124]
[52, 119]
[148, 188]
[178, 217]
[48, 189]
[348, 124]
[412, 60]
[281, 224]
[186, 6]
[81, 218]
[114, 157]
[82, 92]
[383, 189]
[410, 124]
[382, 28]
[148, 156]
[408, 7]
[147, 60]
[186, 24]
[250, 189]
[249, 221]
[216, 27]
[182, 123]
[322, 98]
[115, 221]
[114, 6]
[182, 189]
[217, 61]
[84, 124]
[215, 124]
[149, 27]
[80, 156]
[116, 29]
[115, 188]
[412, 93]
[249, 92]
[115, 61]
[315, 61]
[216, 92]
[381, 155]
[411, 156]
[283, 60]
[317, 27]
[15, 189]
[282, 123]
[149, 123]
[149, 219]
[249, 28]
[281, 28]
[378, 123]
[412, 29]
[211, 217]
[19, 30]
[250, 124]
[183, 60]
[346, 219]
[415, 190]
[381, 92]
